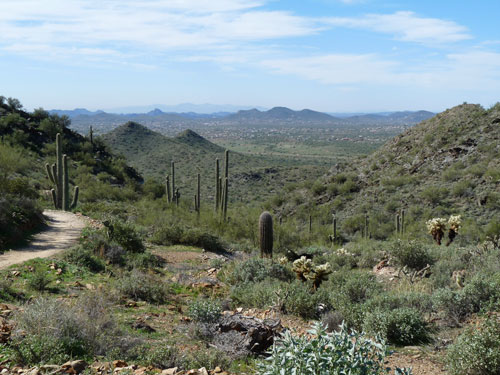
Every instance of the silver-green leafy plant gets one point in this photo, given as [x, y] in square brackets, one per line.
[322, 353]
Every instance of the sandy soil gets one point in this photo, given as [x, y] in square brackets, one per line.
[63, 230]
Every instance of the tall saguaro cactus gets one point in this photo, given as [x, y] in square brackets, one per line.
[167, 187]
[172, 165]
[58, 175]
[266, 235]
[217, 185]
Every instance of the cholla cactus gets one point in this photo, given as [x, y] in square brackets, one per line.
[436, 228]
[283, 261]
[455, 223]
[343, 252]
[302, 267]
[319, 274]
[305, 270]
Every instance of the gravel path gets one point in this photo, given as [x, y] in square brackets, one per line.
[63, 231]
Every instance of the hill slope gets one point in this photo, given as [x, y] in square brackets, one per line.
[251, 177]
[447, 164]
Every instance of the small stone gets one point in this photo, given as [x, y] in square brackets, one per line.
[202, 371]
[169, 371]
[217, 370]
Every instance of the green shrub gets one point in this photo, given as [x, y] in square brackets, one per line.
[142, 287]
[411, 254]
[39, 279]
[82, 257]
[126, 235]
[51, 331]
[482, 292]
[175, 234]
[336, 353]
[256, 270]
[205, 311]
[401, 326]
[161, 355]
[477, 350]
[7, 293]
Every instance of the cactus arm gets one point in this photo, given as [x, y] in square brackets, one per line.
[198, 206]
[65, 185]
[49, 173]
[75, 197]
[172, 165]
[169, 194]
[226, 189]
[59, 167]
[54, 197]
[217, 185]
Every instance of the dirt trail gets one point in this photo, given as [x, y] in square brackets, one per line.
[63, 231]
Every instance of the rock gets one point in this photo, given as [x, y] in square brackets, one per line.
[217, 370]
[258, 335]
[119, 363]
[144, 326]
[169, 371]
[203, 371]
[79, 365]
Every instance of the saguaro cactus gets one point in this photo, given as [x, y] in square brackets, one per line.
[167, 187]
[266, 235]
[58, 175]
[91, 135]
[198, 194]
[366, 226]
[172, 165]
[217, 185]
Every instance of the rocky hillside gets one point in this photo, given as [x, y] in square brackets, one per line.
[447, 164]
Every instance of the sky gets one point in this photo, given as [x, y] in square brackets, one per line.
[326, 55]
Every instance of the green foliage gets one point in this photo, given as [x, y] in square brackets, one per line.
[410, 253]
[205, 311]
[39, 279]
[126, 235]
[255, 270]
[143, 287]
[336, 353]
[83, 257]
[51, 331]
[177, 235]
[482, 292]
[476, 350]
[400, 326]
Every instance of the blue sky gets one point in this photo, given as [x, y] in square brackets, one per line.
[327, 55]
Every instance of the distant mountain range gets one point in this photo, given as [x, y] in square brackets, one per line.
[277, 116]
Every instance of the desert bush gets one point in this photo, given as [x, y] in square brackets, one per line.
[355, 287]
[256, 270]
[302, 302]
[205, 311]
[142, 287]
[7, 293]
[325, 353]
[401, 326]
[39, 279]
[434, 194]
[144, 260]
[175, 234]
[51, 331]
[480, 293]
[82, 257]
[477, 350]
[126, 235]
[208, 358]
[411, 254]
[261, 295]
[162, 355]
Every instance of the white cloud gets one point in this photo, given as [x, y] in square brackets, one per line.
[408, 27]
[149, 26]
[474, 70]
